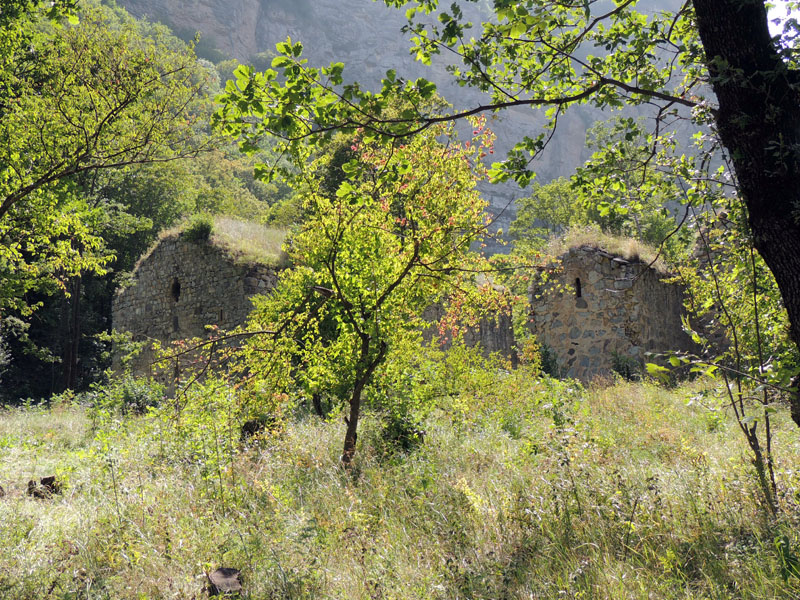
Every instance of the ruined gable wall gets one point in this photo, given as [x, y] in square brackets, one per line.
[599, 305]
[181, 287]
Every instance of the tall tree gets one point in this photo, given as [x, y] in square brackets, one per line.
[86, 90]
[556, 54]
[78, 98]
[757, 85]
[371, 255]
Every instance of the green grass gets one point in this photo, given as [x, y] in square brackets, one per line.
[250, 242]
[245, 241]
[623, 491]
[628, 248]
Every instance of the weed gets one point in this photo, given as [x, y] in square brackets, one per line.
[198, 229]
[522, 487]
[626, 366]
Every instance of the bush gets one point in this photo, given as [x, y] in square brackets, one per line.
[626, 366]
[549, 360]
[125, 395]
[401, 432]
[199, 229]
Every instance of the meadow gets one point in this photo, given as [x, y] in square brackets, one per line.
[531, 488]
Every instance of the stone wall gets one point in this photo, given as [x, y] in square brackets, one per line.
[180, 287]
[594, 308]
[597, 305]
[491, 334]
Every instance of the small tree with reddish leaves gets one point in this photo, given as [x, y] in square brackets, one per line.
[392, 240]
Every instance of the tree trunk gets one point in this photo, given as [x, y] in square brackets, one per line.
[316, 402]
[363, 375]
[759, 123]
[70, 344]
[351, 435]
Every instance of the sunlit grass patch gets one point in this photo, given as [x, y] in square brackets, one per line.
[625, 247]
[542, 490]
[250, 242]
[247, 242]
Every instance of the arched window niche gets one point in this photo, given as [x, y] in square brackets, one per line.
[175, 290]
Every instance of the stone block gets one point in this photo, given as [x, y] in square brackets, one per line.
[623, 284]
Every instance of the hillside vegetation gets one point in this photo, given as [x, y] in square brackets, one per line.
[530, 489]
[325, 447]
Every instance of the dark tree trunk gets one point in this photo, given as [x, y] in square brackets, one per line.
[759, 123]
[70, 344]
[351, 435]
[316, 402]
[366, 368]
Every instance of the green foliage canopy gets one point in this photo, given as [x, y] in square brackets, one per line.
[611, 191]
[552, 54]
[369, 259]
[83, 97]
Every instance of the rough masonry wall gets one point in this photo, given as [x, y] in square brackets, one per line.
[180, 288]
[595, 306]
[600, 305]
[492, 334]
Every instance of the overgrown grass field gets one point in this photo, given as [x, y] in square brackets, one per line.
[540, 489]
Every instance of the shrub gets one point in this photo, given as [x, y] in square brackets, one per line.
[401, 432]
[549, 360]
[199, 229]
[125, 395]
[626, 366]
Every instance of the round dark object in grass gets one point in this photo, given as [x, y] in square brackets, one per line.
[224, 581]
[51, 484]
[255, 426]
[46, 488]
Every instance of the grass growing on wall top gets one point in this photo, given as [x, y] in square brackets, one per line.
[250, 242]
[624, 247]
[247, 242]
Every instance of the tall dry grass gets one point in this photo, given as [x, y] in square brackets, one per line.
[622, 491]
[250, 242]
[592, 236]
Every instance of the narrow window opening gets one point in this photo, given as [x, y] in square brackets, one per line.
[175, 292]
[577, 287]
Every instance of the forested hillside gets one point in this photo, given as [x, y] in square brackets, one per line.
[123, 150]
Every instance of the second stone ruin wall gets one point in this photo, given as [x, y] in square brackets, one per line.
[599, 310]
[491, 334]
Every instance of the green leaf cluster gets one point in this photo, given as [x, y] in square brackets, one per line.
[81, 97]
[369, 259]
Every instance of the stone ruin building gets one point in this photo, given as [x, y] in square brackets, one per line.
[179, 288]
[597, 312]
[594, 311]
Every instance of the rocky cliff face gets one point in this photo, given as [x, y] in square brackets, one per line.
[367, 37]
